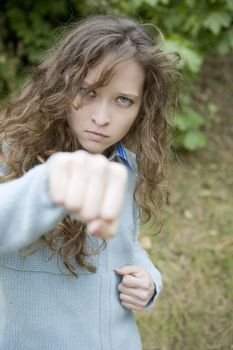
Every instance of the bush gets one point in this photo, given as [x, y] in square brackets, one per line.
[193, 29]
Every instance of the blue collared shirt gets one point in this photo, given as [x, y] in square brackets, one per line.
[120, 152]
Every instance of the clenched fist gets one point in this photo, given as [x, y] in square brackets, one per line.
[90, 186]
[136, 288]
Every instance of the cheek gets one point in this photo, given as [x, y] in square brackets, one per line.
[74, 118]
[131, 119]
[81, 114]
[125, 126]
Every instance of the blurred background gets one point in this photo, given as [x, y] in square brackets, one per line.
[194, 249]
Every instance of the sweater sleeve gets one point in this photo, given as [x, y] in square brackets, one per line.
[141, 258]
[26, 209]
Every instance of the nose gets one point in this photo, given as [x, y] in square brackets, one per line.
[101, 115]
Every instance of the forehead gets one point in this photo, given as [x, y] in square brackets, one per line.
[128, 73]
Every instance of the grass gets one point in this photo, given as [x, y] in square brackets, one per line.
[195, 248]
[194, 252]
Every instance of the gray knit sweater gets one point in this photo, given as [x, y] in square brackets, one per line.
[45, 308]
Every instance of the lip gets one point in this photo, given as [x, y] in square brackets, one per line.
[95, 136]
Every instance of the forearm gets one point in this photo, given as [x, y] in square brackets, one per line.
[142, 259]
[26, 209]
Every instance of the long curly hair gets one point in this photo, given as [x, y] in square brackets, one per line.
[34, 124]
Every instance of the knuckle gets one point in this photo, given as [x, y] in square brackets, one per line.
[99, 162]
[100, 158]
[118, 170]
[124, 304]
[75, 164]
[81, 153]
[79, 157]
[144, 296]
[120, 287]
[71, 205]
[125, 280]
[84, 215]
[123, 290]
[147, 285]
[141, 303]
[121, 296]
[59, 160]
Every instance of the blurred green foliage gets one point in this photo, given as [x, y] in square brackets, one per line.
[193, 29]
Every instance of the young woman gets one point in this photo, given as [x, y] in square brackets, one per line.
[71, 267]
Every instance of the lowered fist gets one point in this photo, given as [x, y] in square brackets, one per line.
[136, 288]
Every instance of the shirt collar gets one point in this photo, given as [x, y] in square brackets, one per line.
[119, 152]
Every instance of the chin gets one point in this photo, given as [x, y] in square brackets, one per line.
[93, 149]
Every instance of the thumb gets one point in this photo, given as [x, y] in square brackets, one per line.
[128, 270]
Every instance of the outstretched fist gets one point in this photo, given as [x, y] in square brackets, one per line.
[90, 186]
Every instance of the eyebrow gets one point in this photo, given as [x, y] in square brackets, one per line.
[128, 94]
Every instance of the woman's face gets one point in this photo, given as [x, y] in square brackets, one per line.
[107, 113]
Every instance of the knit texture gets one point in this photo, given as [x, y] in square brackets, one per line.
[47, 308]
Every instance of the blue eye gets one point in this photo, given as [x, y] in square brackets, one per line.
[124, 101]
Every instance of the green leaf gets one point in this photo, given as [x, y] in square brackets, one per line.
[164, 2]
[190, 3]
[194, 140]
[190, 120]
[215, 21]
[212, 108]
[223, 46]
[226, 43]
[151, 2]
[180, 122]
[190, 58]
[229, 4]
[192, 25]
[135, 4]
